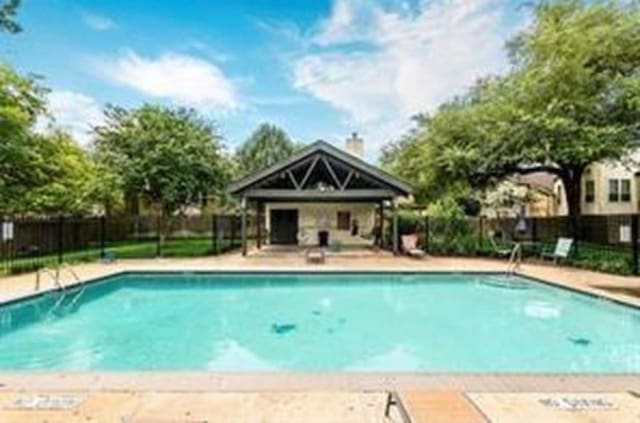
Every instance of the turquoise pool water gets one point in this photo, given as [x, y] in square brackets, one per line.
[322, 322]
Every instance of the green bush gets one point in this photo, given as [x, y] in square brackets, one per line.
[410, 222]
[450, 230]
[593, 257]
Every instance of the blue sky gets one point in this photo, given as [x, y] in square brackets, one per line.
[318, 68]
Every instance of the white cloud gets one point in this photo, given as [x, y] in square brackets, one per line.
[384, 64]
[349, 21]
[97, 22]
[73, 112]
[183, 79]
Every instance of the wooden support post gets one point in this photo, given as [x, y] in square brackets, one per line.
[381, 240]
[244, 226]
[634, 244]
[260, 216]
[395, 227]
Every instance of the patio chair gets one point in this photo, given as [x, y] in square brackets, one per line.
[561, 250]
[498, 250]
[422, 406]
[410, 246]
[315, 255]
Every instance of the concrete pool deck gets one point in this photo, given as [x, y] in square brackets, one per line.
[418, 406]
[358, 389]
[596, 283]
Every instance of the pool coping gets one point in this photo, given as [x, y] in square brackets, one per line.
[206, 381]
[599, 294]
[202, 381]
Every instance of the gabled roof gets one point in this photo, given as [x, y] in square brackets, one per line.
[395, 185]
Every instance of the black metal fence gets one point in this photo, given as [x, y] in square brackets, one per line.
[608, 243]
[30, 244]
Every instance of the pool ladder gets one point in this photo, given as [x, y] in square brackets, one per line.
[55, 274]
[515, 259]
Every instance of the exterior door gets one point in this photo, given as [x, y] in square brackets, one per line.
[344, 220]
[284, 227]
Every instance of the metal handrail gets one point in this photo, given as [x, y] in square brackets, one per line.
[515, 259]
[79, 281]
[53, 273]
[56, 274]
[69, 270]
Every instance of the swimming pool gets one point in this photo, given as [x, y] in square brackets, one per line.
[321, 322]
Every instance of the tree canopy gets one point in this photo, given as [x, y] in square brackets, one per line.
[40, 173]
[8, 11]
[571, 98]
[172, 157]
[266, 146]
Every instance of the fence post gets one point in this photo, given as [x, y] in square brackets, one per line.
[214, 234]
[103, 240]
[426, 233]
[4, 259]
[534, 230]
[634, 244]
[578, 234]
[481, 230]
[60, 240]
[158, 238]
[232, 243]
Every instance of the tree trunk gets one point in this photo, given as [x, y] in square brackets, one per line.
[165, 226]
[572, 181]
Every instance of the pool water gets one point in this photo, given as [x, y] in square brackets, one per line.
[321, 322]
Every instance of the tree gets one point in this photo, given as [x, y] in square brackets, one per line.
[266, 146]
[39, 173]
[429, 158]
[172, 157]
[72, 183]
[571, 98]
[8, 11]
[21, 167]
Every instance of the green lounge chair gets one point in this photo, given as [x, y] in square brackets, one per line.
[560, 252]
[500, 251]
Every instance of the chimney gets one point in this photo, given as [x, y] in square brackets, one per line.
[355, 145]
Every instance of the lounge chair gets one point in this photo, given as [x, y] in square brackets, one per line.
[561, 251]
[315, 255]
[410, 246]
[500, 251]
[422, 406]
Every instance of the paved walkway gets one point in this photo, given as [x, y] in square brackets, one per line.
[317, 407]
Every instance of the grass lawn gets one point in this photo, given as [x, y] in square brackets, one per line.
[192, 247]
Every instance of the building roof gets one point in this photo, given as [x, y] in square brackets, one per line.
[537, 180]
[320, 171]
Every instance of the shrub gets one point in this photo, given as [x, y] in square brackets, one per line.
[592, 257]
[450, 230]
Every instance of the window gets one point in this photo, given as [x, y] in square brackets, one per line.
[614, 190]
[620, 190]
[559, 195]
[344, 220]
[625, 190]
[589, 191]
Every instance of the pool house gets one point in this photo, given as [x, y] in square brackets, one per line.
[320, 196]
